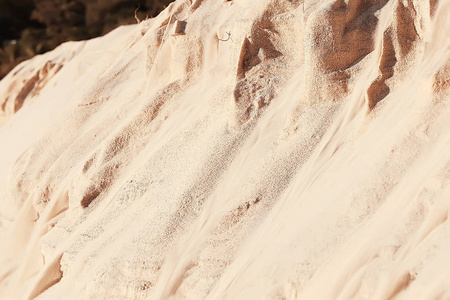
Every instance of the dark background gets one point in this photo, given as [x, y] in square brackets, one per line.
[30, 27]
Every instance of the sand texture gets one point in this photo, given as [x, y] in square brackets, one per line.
[243, 149]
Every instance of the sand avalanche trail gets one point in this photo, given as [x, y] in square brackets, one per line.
[266, 149]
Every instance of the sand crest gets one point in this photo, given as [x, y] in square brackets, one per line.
[237, 149]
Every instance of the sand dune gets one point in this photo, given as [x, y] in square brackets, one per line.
[237, 149]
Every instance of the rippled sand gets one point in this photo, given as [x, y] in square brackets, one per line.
[240, 149]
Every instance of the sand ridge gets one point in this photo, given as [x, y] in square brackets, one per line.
[233, 150]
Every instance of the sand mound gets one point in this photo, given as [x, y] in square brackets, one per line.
[233, 150]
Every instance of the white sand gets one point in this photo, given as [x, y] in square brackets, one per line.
[238, 149]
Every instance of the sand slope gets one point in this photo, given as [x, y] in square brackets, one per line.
[238, 149]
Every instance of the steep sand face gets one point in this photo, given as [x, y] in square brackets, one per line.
[233, 150]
